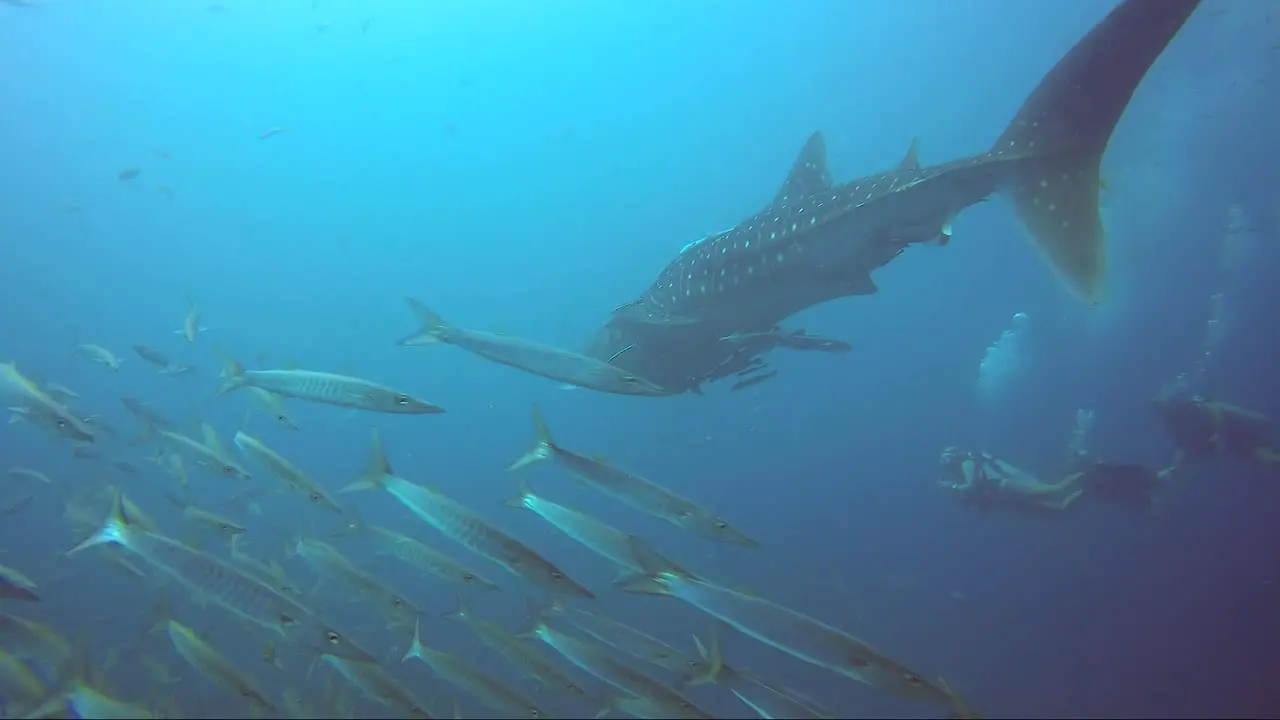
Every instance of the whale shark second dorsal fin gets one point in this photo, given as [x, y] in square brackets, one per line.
[809, 173]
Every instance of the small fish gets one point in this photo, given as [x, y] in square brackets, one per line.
[191, 324]
[597, 536]
[631, 641]
[273, 405]
[30, 640]
[378, 685]
[779, 627]
[21, 688]
[327, 388]
[153, 356]
[766, 699]
[222, 584]
[270, 572]
[273, 132]
[60, 392]
[204, 519]
[325, 559]
[284, 470]
[429, 560]
[28, 474]
[636, 491]
[100, 355]
[649, 698]
[48, 411]
[209, 454]
[518, 652]
[465, 527]
[492, 692]
[753, 380]
[16, 586]
[217, 668]
[128, 174]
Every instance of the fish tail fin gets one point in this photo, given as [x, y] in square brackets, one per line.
[432, 328]
[416, 648]
[1056, 142]
[114, 530]
[654, 569]
[375, 470]
[710, 673]
[543, 446]
[460, 611]
[523, 493]
[232, 373]
[535, 612]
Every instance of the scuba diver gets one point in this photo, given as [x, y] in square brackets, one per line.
[1201, 428]
[985, 481]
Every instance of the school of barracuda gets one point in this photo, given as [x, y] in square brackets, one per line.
[570, 659]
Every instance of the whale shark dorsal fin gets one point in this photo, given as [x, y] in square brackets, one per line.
[809, 173]
[911, 161]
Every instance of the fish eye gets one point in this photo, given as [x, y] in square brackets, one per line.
[315, 497]
[397, 602]
[286, 619]
[224, 527]
[557, 575]
[912, 678]
[333, 637]
[402, 399]
[533, 712]
[722, 525]
[228, 470]
[468, 578]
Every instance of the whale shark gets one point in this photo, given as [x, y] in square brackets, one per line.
[818, 241]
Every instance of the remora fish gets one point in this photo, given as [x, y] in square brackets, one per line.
[639, 493]
[817, 241]
[532, 357]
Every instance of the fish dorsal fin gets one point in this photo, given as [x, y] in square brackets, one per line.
[809, 173]
[911, 161]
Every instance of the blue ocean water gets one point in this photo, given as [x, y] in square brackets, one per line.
[526, 167]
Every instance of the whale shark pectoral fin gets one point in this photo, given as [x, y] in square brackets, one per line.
[856, 282]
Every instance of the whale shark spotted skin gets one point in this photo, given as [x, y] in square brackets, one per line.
[818, 241]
